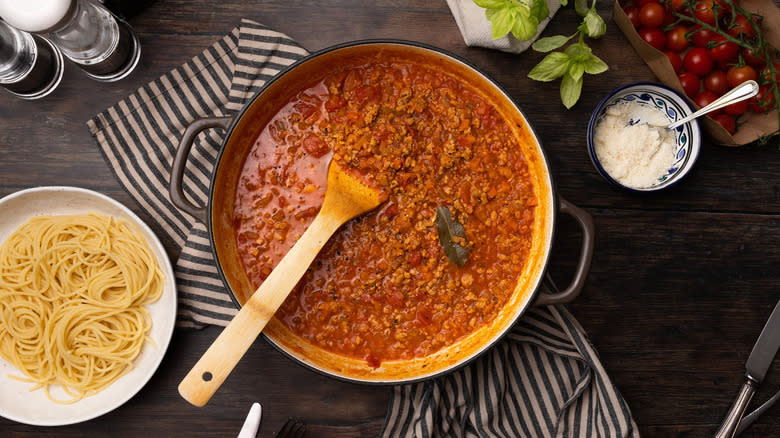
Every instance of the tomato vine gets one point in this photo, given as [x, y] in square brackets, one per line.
[735, 17]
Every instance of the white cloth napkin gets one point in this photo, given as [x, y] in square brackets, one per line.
[475, 27]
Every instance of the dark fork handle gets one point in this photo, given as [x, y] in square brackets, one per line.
[749, 419]
[293, 428]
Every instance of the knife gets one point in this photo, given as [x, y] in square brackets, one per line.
[756, 367]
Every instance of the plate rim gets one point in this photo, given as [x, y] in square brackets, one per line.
[167, 334]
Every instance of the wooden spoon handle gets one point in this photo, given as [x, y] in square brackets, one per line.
[212, 369]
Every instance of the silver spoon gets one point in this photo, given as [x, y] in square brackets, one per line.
[746, 90]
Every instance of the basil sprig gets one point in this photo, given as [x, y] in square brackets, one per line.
[522, 18]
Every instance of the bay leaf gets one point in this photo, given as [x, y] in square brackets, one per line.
[450, 232]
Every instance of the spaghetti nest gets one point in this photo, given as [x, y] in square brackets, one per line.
[72, 295]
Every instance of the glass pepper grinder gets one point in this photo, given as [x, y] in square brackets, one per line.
[99, 43]
[30, 66]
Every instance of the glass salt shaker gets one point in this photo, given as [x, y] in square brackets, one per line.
[30, 66]
[99, 43]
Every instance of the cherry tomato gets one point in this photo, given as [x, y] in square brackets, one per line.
[676, 4]
[721, 65]
[752, 59]
[709, 11]
[669, 17]
[763, 101]
[705, 98]
[698, 61]
[742, 26]
[723, 50]
[632, 12]
[700, 36]
[705, 11]
[652, 15]
[641, 3]
[716, 82]
[766, 73]
[654, 37]
[726, 121]
[690, 83]
[737, 75]
[724, 9]
[676, 40]
[736, 108]
[675, 60]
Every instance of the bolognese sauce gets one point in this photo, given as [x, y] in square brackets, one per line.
[382, 288]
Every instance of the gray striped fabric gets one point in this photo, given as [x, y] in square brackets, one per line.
[139, 135]
[543, 380]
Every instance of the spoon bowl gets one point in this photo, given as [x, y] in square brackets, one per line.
[346, 197]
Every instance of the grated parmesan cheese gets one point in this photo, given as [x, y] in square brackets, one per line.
[633, 145]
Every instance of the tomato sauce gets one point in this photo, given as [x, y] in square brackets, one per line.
[383, 288]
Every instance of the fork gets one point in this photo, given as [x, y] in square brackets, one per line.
[293, 428]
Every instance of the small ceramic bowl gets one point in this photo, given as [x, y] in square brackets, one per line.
[687, 137]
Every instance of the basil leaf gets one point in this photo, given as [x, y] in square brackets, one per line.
[550, 43]
[501, 21]
[522, 10]
[450, 233]
[552, 67]
[493, 4]
[578, 52]
[594, 65]
[525, 29]
[581, 6]
[594, 24]
[570, 90]
[539, 10]
[576, 69]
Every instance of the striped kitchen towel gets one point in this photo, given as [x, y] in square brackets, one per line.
[543, 380]
[139, 135]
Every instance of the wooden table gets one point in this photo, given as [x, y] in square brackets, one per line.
[681, 283]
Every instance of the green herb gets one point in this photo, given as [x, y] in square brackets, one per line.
[569, 65]
[451, 232]
[521, 17]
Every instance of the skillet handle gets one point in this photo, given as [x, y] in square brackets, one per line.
[176, 188]
[585, 221]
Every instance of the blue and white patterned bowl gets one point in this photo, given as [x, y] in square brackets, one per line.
[688, 136]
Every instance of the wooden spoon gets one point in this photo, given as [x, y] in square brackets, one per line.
[345, 197]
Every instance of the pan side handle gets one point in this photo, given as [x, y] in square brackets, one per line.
[585, 222]
[176, 188]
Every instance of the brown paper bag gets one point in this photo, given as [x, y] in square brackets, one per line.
[750, 126]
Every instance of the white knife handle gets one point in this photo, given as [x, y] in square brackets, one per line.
[731, 422]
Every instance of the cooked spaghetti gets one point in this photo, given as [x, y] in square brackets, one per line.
[72, 295]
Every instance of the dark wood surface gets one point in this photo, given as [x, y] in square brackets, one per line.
[681, 283]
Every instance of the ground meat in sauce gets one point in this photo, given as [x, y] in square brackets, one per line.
[382, 288]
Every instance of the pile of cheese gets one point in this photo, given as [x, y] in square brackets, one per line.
[633, 145]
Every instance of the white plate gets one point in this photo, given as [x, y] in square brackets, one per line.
[17, 402]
